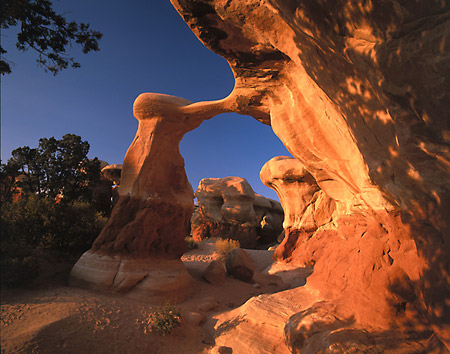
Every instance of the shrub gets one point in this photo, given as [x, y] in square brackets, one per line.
[192, 245]
[73, 227]
[34, 222]
[224, 246]
[165, 319]
[18, 271]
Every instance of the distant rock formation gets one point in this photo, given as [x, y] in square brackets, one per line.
[112, 172]
[229, 208]
[359, 93]
[138, 251]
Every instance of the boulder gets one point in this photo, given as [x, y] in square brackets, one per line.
[215, 273]
[239, 264]
[192, 318]
[151, 280]
[269, 216]
[359, 94]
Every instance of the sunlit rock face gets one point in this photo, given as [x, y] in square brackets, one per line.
[359, 94]
[229, 208]
[306, 206]
[138, 250]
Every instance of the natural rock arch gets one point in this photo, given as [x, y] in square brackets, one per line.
[138, 251]
[333, 78]
[359, 93]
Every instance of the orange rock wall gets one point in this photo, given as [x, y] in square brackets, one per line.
[359, 93]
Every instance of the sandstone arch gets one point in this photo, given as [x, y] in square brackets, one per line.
[359, 93]
[138, 251]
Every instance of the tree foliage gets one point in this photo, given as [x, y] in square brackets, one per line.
[54, 211]
[57, 168]
[33, 223]
[46, 32]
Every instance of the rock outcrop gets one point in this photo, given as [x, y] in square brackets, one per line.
[138, 251]
[359, 93]
[269, 218]
[229, 208]
[307, 207]
[112, 172]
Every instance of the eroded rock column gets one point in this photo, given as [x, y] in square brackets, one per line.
[138, 252]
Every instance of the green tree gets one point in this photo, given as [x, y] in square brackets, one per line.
[46, 32]
[8, 174]
[56, 167]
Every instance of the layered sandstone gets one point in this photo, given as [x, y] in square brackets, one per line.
[229, 208]
[306, 206]
[141, 245]
[359, 94]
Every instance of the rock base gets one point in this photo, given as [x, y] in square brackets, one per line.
[150, 280]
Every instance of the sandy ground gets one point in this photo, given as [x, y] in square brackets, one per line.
[61, 319]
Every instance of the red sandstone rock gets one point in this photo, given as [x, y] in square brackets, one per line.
[112, 172]
[215, 273]
[306, 206]
[229, 208]
[151, 218]
[359, 94]
[240, 265]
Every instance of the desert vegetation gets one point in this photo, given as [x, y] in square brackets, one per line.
[224, 246]
[46, 204]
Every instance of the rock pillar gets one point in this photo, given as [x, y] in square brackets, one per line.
[138, 251]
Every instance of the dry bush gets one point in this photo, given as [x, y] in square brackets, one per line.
[224, 246]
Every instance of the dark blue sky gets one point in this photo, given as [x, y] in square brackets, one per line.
[146, 47]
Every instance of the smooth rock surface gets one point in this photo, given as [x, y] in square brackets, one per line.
[149, 280]
[215, 273]
[239, 264]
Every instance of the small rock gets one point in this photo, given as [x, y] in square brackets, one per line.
[225, 350]
[239, 264]
[215, 273]
[257, 286]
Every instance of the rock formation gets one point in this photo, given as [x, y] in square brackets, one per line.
[306, 206]
[269, 218]
[359, 93]
[112, 172]
[229, 208]
[138, 251]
